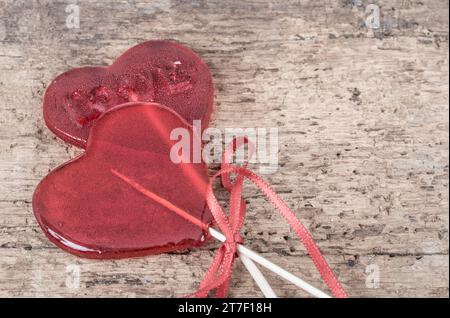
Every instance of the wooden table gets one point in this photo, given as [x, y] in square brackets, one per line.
[362, 114]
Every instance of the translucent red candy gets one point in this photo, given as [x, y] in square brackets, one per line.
[84, 208]
[155, 71]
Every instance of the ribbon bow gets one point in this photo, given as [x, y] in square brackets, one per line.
[218, 276]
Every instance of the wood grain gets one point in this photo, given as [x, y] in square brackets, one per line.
[363, 137]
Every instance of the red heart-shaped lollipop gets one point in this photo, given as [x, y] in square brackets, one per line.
[155, 71]
[84, 208]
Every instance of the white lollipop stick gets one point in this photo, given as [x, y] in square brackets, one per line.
[273, 267]
[256, 274]
[258, 277]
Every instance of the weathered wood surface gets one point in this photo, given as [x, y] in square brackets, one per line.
[363, 119]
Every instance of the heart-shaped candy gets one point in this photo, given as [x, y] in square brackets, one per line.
[155, 71]
[84, 208]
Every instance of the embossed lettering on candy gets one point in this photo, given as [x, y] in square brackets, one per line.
[155, 71]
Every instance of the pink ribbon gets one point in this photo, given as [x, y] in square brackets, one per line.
[218, 276]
